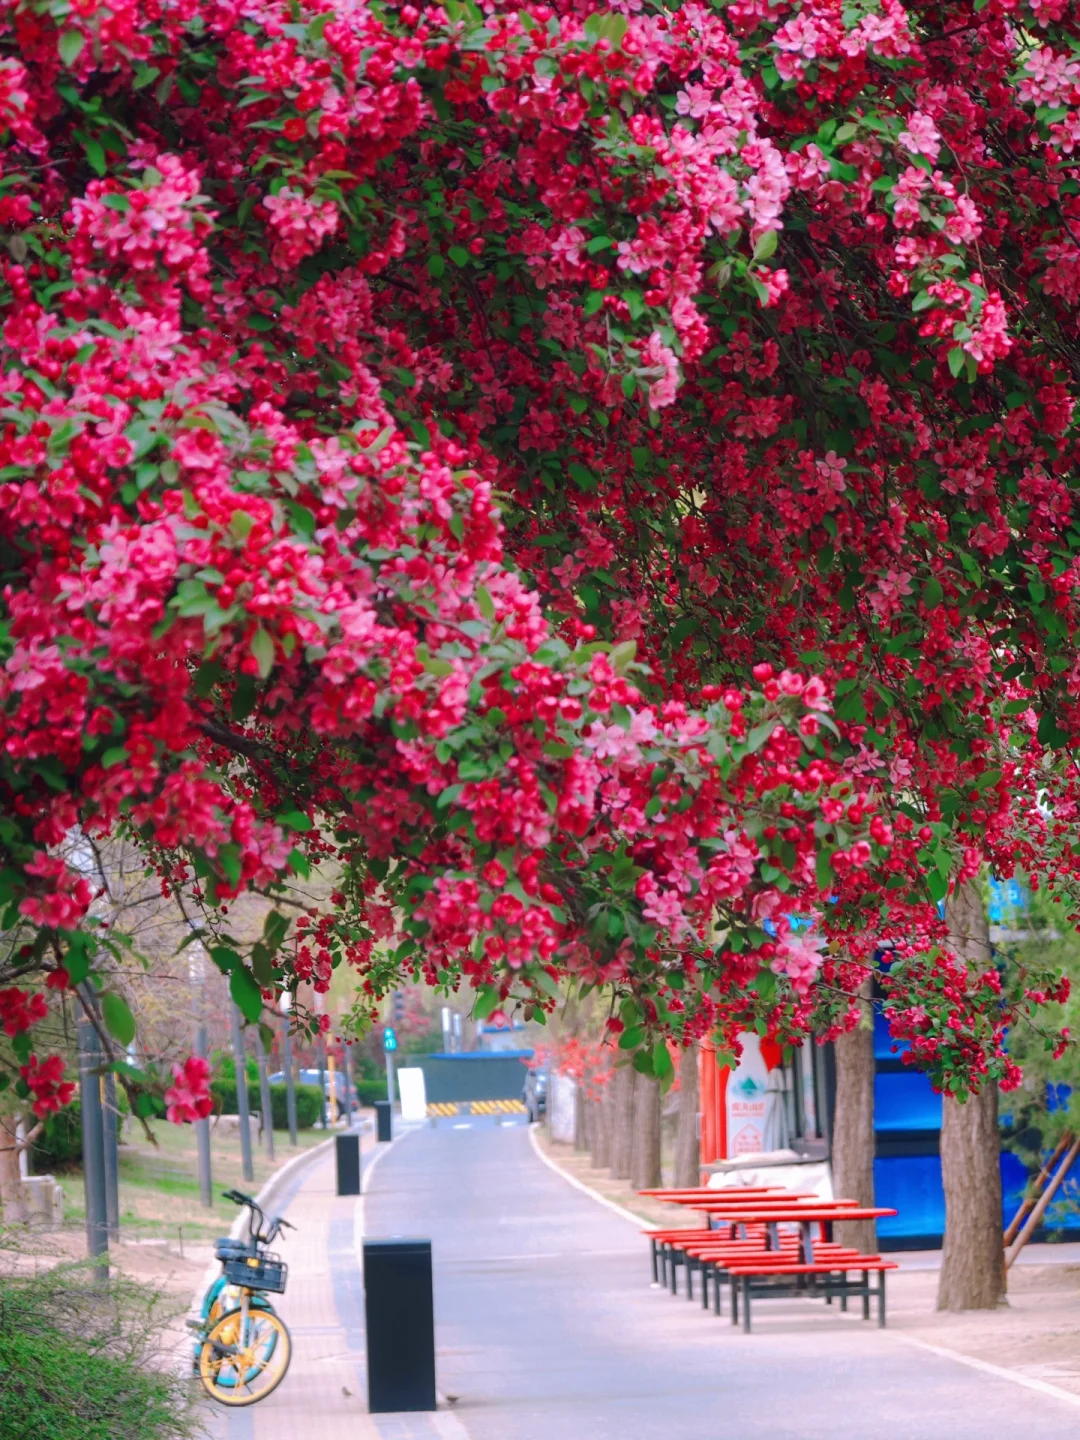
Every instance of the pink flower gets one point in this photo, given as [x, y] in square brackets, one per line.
[921, 136]
[189, 1098]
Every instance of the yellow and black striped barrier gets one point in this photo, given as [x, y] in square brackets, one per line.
[444, 1109]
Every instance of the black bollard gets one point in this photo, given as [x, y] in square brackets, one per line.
[348, 1164]
[384, 1118]
[400, 1325]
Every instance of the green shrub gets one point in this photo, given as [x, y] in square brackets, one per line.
[223, 1092]
[308, 1106]
[78, 1364]
[368, 1091]
[59, 1145]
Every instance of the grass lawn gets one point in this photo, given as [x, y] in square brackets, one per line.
[159, 1184]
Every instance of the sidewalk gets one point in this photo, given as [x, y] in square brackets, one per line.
[324, 1394]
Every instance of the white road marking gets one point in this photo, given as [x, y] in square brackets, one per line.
[587, 1189]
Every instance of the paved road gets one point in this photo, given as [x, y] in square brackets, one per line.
[547, 1328]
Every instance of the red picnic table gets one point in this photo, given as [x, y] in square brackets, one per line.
[804, 1213]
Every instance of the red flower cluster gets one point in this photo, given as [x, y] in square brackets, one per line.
[45, 1081]
[188, 1098]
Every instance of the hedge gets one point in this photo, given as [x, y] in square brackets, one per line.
[308, 1107]
[368, 1091]
[60, 1143]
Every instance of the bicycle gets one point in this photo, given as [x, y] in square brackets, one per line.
[243, 1347]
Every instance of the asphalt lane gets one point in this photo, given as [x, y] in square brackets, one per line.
[546, 1325]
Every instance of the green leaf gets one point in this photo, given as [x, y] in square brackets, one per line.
[937, 884]
[262, 647]
[485, 603]
[766, 246]
[225, 958]
[117, 202]
[118, 1018]
[296, 820]
[932, 593]
[458, 255]
[247, 994]
[275, 929]
[70, 45]
[957, 359]
[486, 1003]
[262, 964]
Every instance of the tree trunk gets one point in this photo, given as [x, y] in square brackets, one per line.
[645, 1153]
[687, 1144]
[600, 1129]
[12, 1195]
[973, 1260]
[622, 1122]
[853, 1126]
[580, 1141]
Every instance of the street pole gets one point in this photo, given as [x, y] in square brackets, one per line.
[242, 1109]
[264, 1096]
[290, 1083]
[97, 1222]
[390, 1077]
[109, 1121]
[202, 1135]
[350, 1091]
[332, 1067]
[322, 1082]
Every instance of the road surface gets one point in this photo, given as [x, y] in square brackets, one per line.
[547, 1328]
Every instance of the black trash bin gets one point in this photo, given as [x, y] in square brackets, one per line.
[348, 1164]
[400, 1319]
[383, 1118]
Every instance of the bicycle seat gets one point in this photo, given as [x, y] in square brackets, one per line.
[229, 1249]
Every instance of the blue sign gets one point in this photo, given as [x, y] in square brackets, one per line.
[389, 1038]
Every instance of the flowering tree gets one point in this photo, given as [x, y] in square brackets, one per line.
[255, 624]
[755, 321]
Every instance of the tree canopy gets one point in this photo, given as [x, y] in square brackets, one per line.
[598, 482]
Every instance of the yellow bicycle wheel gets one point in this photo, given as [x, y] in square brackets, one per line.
[241, 1361]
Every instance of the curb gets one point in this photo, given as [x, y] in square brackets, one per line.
[619, 1210]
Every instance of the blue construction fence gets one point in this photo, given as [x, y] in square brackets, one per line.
[907, 1163]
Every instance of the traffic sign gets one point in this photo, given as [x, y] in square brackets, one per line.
[389, 1038]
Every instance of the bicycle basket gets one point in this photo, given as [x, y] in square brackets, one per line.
[262, 1272]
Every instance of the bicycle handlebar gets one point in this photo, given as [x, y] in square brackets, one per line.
[255, 1225]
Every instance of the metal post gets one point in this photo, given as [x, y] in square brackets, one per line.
[202, 1136]
[109, 1121]
[390, 1077]
[97, 1224]
[350, 1089]
[290, 1083]
[322, 1083]
[332, 1068]
[242, 1109]
[264, 1096]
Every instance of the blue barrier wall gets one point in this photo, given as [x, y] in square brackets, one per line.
[907, 1163]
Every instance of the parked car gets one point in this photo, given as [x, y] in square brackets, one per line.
[534, 1095]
